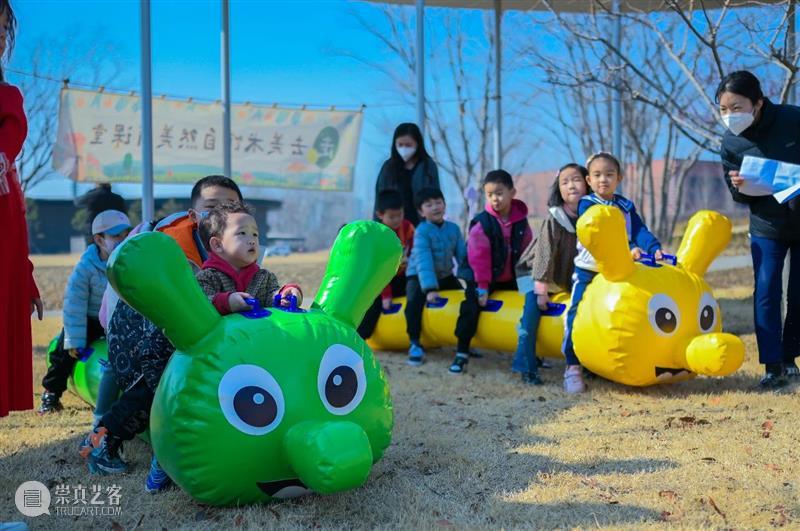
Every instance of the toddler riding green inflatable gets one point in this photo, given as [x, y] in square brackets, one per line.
[273, 404]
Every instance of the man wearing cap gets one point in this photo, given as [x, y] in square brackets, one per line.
[82, 299]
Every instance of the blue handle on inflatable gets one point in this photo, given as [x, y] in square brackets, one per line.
[256, 311]
[84, 353]
[438, 303]
[650, 259]
[292, 308]
[554, 309]
[493, 305]
[394, 308]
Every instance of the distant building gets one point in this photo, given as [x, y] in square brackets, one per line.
[50, 228]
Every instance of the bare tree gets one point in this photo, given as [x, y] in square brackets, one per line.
[698, 45]
[460, 121]
[665, 72]
[580, 80]
[92, 59]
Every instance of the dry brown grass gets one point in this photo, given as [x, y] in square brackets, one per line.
[484, 451]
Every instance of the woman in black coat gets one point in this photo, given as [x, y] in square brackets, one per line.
[761, 128]
[408, 170]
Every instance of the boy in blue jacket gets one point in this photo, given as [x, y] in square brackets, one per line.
[82, 299]
[605, 174]
[437, 243]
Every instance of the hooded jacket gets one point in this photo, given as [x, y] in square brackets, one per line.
[83, 296]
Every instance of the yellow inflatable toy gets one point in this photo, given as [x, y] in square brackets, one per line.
[638, 323]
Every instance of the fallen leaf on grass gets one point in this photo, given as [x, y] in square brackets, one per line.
[668, 494]
[714, 401]
[767, 428]
[773, 467]
[716, 508]
[685, 422]
[625, 413]
[780, 519]
[238, 521]
[444, 522]
[708, 459]
[667, 516]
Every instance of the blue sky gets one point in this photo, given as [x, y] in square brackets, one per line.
[282, 51]
[285, 52]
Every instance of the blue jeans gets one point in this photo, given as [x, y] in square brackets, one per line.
[580, 281]
[525, 357]
[107, 392]
[776, 343]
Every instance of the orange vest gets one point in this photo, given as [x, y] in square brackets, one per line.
[181, 228]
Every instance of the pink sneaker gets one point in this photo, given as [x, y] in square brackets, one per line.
[573, 379]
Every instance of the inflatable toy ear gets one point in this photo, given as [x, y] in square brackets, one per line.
[707, 234]
[364, 258]
[150, 272]
[601, 229]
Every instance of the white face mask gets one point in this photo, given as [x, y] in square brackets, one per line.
[406, 152]
[110, 245]
[737, 122]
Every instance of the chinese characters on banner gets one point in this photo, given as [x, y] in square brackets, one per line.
[99, 139]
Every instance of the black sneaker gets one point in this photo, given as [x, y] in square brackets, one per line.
[531, 378]
[773, 379]
[543, 364]
[791, 370]
[459, 363]
[51, 403]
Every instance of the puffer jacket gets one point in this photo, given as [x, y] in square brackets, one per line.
[435, 248]
[775, 136]
[83, 296]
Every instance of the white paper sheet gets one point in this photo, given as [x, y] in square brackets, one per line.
[759, 175]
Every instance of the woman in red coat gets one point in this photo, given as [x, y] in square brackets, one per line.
[19, 296]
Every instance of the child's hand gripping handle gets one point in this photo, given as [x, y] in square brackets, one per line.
[255, 311]
[650, 259]
[277, 302]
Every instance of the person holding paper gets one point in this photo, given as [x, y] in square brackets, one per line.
[759, 128]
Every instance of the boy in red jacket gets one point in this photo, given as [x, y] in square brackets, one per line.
[389, 205]
[497, 237]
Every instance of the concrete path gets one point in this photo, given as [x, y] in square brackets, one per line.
[724, 263]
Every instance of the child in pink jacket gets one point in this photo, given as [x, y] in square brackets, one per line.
[497, 237]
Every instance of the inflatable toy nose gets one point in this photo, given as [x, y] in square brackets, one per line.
[329, 456]
[715, 354]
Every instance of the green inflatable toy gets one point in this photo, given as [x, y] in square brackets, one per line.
[86, 376]
[273, 404]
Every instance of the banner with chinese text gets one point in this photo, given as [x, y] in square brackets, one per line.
[99, 140]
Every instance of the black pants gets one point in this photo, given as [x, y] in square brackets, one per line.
[130, 414]
[61, 363]
[467, 322]
[370, 320]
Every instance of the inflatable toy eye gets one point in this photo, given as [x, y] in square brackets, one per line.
[341, 381]
[663, 314]
[707, 316]
[251, 399]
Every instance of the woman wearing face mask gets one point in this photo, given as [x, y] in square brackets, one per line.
[408, 170]
[18, 291]
[761, 128]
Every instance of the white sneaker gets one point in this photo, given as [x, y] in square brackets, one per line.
[573, 379]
